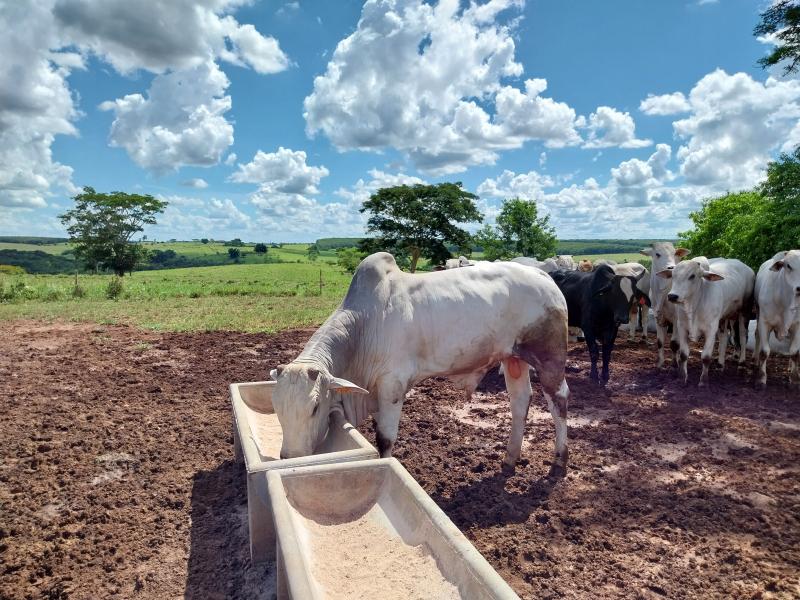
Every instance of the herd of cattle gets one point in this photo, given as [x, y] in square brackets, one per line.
[394, 329]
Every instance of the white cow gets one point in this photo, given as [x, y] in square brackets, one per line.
[547, 265]
[777, 297]
[394, 329]
[664, 256]
[634, 269]
[565, 261]
[455, 263]
[707, 295]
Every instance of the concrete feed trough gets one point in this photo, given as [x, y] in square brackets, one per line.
[257, 439]
[368, 530]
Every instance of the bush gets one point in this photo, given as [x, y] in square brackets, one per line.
[348, 259]
[11, 270]
[260, 248]
[234, 254]
[114, 288]
[78, 291]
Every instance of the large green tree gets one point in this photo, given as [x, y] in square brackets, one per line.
[419, 220]
[101, 227]
[782, 20]
[520, 231]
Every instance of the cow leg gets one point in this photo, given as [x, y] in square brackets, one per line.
[661, 337]
[518, 385]
[762, 352]
[645, 314]
[594, 354]
[387, 419]
[722, 334]
[743, 323]
[708, 351]
[794, 356]
[681, 349]
[557, 403]
[633, 319]
[608, 346]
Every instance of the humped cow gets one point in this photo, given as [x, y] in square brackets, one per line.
[455, 263]
[598, 302]
[565, 262]
[707, 295]
[548, 265]
[394, 329]
[640, 308]
[777, 298]
[664, 256]
[585, 265]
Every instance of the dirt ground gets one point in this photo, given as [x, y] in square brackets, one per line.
[117, 477]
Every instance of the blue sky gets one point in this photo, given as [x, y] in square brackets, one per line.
[271, 120]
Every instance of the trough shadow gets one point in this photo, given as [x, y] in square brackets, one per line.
[219, 556]
[468, 506]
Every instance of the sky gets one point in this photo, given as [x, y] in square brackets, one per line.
[271, 120]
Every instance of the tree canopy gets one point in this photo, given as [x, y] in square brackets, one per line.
[751, 226]
[520, 231]
[101, 226]
[420, 220]
[782, 21]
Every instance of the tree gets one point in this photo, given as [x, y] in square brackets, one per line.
[781, 228]
[420, 220]
[260, 248]
[236, 243]
[101, 227]
[348, 259]
[782, 21]
[519, 232]
[204, 240]
[234, 254]
[312, 253]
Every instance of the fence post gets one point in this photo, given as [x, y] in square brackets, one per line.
[320, 283]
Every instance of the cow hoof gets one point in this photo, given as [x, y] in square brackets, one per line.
[557, 471]
[507, 469]
[761, 385]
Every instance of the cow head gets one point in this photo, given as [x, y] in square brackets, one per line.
[618, 292]
[788, 267]
[585, 265]
[664, 255]
[303, 400]
[688, 277]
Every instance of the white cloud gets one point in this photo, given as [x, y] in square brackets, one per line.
[197, 182]
[160, 36]
[230, 159]
[528, 186]
[35, 105]
[543, 159]
[610, 127]
[356, 195]
[665, 104]
[734, 127]
[452, 63]
[180, 122]
[187, 217]
[284, 171]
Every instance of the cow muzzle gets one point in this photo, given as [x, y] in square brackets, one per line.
[673, 298]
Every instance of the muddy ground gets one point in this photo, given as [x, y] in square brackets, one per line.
[117, 477]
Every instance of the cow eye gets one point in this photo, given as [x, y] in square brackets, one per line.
[691, 277]
[314, 412]
[789, 267]
[658, 255]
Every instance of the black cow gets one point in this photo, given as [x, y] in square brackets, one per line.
[599, 302]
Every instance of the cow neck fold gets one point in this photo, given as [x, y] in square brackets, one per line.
[334, 348]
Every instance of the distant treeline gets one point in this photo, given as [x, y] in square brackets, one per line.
[36, 261]
[26, 239]
[335, 243]
[603, 246]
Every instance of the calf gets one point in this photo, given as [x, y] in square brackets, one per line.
[777, 297]
[598, 302]
[707, 294]
[664, 256]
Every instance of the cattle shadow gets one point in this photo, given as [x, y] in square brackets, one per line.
[219, 554]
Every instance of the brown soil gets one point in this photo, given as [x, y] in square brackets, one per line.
[117, 478]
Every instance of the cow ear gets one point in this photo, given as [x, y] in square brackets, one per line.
[711, 276]
[342, 386]
[776, 266]
[646, 251]
[681, 252]
[665, 274]
[275, 373]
